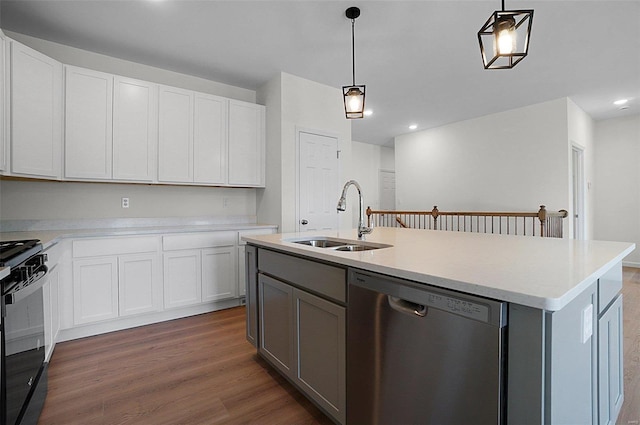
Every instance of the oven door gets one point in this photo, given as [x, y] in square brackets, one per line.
[23, 350]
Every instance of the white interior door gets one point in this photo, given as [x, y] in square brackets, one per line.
[318, 190]
[577, 167]
[387, 190]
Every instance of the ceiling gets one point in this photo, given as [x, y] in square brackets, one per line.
[420, 60]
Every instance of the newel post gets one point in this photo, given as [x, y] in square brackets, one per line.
[434, 214]
[368, 216]
[542, 216]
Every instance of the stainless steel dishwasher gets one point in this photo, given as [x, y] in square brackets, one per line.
[417, 354]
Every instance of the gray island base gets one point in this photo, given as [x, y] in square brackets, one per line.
[485, 328]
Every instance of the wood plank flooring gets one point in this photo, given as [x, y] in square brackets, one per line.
[201, 370]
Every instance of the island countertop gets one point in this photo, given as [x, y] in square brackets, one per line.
[544, 273]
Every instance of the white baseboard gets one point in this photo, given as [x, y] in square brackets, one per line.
[631, 264]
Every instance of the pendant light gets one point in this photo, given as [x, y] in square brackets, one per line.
[506, 36]
[353, 94]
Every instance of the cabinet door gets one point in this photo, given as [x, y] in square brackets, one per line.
[242, 272]
[95, 290]
[276, 323]
[219, 279]
[610, 364]
[319, 340]
[175, 149]
[88, 123]
[182, 278]
[250, 261]
[246, 144]
[4, 99]
[210, 139]
[140, 288]
[135, 129]
[51, 317]
[36, 113]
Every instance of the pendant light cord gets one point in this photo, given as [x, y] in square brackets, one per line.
[353, 50]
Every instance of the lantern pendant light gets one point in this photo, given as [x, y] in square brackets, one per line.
[353, 94]
[504, 38]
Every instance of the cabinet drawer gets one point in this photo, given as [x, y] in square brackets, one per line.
[609, 285]
[253, 232]
[198, 240]
[317, 277]
[113, 246]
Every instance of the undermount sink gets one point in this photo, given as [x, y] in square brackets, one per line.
[339, 244]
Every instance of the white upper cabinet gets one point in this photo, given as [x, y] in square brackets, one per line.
[36, 113]
[210, 139]
[246, 144]
[4, 105]
[135, 129]
[175, 148]
[88, 123]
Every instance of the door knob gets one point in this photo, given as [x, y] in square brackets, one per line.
[304, 222]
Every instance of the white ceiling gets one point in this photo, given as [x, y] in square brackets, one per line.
[420, 60]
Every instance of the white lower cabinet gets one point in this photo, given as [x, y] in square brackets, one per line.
[51, 310]
[138, 284]
[95, 289]
[115, 277]
[200, 268]
[182, 278]
[219, 280]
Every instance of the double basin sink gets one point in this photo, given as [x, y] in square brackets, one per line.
[340, 244]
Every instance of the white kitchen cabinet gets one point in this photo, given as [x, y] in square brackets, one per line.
[199, 268]
[88, 123]
[135, 129]
[115, 277]
[36, 113]
[51, 310]
[182, 278]
[4, 104]
[246, 144]
[139, 284]
[175, 146]
[95, 289]
[219, 280]
[210, 139]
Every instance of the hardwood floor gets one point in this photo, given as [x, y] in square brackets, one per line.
[198, 370]
[630, 413]
[201, 370]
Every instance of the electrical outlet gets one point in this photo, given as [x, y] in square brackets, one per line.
[125, 202]
[225, 202]
[587, 323]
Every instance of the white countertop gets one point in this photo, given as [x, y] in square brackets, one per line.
[50, 237]
[544, 273]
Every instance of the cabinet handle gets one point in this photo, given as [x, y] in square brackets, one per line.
[304, 222]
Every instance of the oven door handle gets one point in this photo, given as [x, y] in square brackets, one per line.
[36, 283]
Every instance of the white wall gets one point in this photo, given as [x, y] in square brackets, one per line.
[38, 200]
[510, 161]
[55, 200]
[302, 104]
[617, 182]
[366, 162]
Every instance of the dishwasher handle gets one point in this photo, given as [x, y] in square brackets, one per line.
[407, 307]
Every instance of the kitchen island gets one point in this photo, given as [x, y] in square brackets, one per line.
[560, 339]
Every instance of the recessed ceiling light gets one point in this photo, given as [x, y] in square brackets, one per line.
[368, 112]
[620, 102]
[413, 126]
